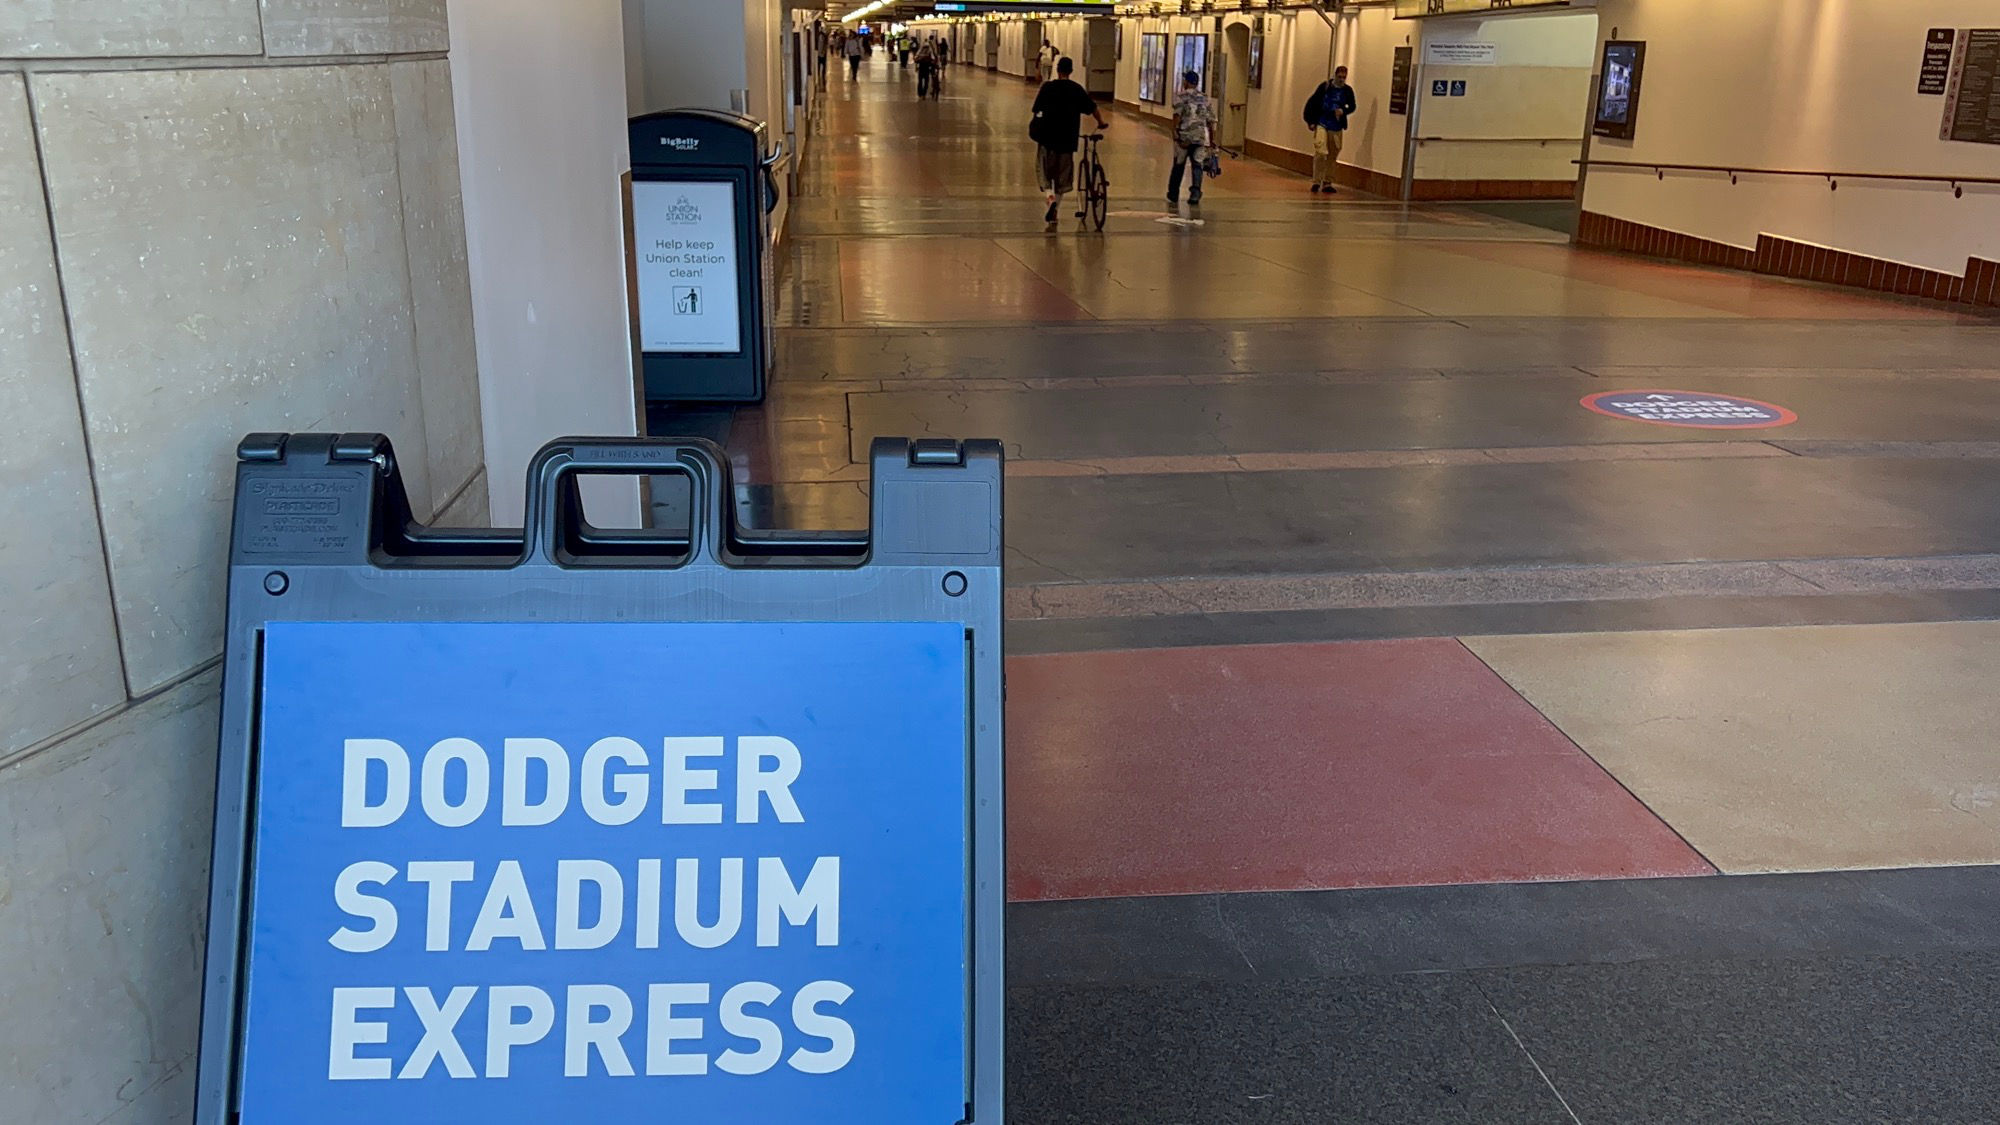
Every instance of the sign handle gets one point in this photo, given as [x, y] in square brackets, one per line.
[557, 533]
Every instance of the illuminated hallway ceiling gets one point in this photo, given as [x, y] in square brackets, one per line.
[1417, 9]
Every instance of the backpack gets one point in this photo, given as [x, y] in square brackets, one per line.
[1315, 106]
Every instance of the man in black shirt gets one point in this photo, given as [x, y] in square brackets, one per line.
[1059, 111]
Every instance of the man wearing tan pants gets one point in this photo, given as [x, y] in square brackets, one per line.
[1326, 115]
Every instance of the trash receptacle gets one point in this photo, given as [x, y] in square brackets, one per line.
[702, 194]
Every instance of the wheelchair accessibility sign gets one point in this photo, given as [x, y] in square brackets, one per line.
[694, 872]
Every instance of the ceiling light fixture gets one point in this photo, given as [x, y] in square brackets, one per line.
[865, 11]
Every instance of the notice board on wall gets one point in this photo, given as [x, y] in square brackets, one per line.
[1935, 76]
[1972, 98]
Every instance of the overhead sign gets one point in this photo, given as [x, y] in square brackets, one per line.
[602, 872]
[1935, 76]
[1690, 409]
[684, 235]
[1461, 54]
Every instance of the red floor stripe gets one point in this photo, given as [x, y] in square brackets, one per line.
[1292, 767]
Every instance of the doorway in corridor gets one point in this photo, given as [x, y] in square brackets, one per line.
[993, 46]
[1234, 87]
[1031, 48]
[1100, 58]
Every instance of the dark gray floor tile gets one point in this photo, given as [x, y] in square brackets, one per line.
[1815, 1042]
[1421, 929]
[1330, 345]
[1104, 633]
[1118, 940]
[1439, 517]
[1290, 417]
[1393, 1050]
[1426, 929]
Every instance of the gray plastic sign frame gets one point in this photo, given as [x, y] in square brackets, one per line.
[323, 532]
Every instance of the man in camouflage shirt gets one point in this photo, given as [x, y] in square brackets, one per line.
[1194, 133]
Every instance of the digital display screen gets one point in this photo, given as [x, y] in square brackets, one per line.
[1618, 93]
[1190, 53]
[1153, 68]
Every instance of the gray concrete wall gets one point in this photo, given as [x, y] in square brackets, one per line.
[216, 216]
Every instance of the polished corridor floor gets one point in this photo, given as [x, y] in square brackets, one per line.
[1669, 753]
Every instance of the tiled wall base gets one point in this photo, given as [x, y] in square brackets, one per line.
[1493, 189]
[1383, 184]
[1786, 258]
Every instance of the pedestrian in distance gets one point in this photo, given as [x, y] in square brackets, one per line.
[927, 68]
[1194, 134]
[1327, 112]
[855, 49]
[1056, 129]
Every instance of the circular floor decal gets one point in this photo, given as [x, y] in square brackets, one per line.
[1686, 408]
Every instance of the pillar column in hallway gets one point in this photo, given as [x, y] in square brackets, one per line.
[216, 216]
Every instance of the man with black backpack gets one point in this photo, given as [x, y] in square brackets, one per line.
[927, 67]
[1326, 115]
[1057, 124]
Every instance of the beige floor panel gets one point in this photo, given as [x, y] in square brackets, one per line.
[1188, 277]
[1443, 283]
[1788, 749]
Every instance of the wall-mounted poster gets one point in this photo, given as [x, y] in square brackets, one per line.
[1190, 53]
[1257, 61]
[1618, 95]
[1972, 97]
[1153, 68]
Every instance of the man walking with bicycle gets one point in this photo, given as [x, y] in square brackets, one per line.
[1057, 124]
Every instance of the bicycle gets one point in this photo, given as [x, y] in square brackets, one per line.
[1096, 185]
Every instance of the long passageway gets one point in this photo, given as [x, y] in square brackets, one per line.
[1325, 575]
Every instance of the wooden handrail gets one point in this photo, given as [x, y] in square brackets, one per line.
[1506, 140]
[1661, 168]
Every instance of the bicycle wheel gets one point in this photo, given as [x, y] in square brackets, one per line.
[1100, 195]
